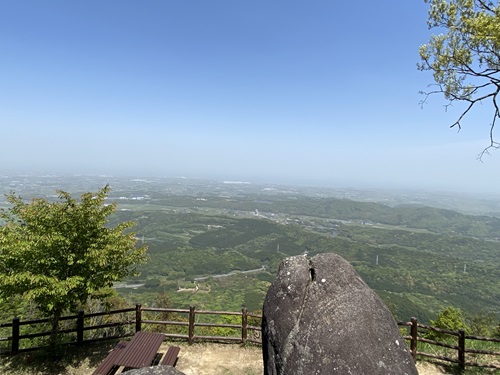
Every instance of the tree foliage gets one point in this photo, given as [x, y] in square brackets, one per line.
[465, 57]
[60, 253]
[450, 319]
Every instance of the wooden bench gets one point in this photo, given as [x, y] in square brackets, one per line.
[108, 364]
[141, 350]
[170, 358]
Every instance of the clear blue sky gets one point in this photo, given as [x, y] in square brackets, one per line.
[312, 92]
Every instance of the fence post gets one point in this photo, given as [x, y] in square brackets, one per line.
[413, 341]
[15, 336]
[461, 349]
[244, 323]
[191, 324]
[138, 317]
[79, 328]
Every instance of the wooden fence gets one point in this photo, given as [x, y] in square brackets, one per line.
[419, 331]
[135, 320]
[190, 328]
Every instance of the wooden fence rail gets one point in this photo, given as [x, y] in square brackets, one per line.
[79, 327]
[459, 346]
[189, 326]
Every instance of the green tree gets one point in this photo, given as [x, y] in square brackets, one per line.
[449, 318]
[60, 253]
[482, 324]
[496, 333]
[464, 56]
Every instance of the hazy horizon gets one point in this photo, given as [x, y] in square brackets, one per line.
[316, 94]
[277, 183]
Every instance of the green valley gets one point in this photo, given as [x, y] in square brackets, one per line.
[418, 259]
[218, 246]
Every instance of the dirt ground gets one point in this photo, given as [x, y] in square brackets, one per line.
[224, 359]
[198, 359]
[220, 359]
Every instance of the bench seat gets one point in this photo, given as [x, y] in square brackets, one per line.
[170, 358]
[107, 366]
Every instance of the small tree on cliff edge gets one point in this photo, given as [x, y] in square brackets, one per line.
[449, 318]
[59, 253]
[465, 57]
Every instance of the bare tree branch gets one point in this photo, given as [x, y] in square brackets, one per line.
[465, 58]
[493, 144]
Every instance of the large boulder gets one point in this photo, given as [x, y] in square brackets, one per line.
[320, 317]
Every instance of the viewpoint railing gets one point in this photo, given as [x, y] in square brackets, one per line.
[186, 325]
[456, 344]
[193, 325]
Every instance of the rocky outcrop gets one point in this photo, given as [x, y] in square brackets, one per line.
[319, 317]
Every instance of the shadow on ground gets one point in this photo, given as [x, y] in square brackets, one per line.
[63, 360]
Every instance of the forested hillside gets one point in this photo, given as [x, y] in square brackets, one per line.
[218, 246]
[419, 259]
[419, 217]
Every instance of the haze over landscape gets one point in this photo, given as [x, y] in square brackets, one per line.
[312, 93]
[182, 154]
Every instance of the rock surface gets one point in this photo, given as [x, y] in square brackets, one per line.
[319, 317]
[155, 370]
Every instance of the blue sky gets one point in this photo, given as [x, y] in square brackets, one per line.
[307, 92]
